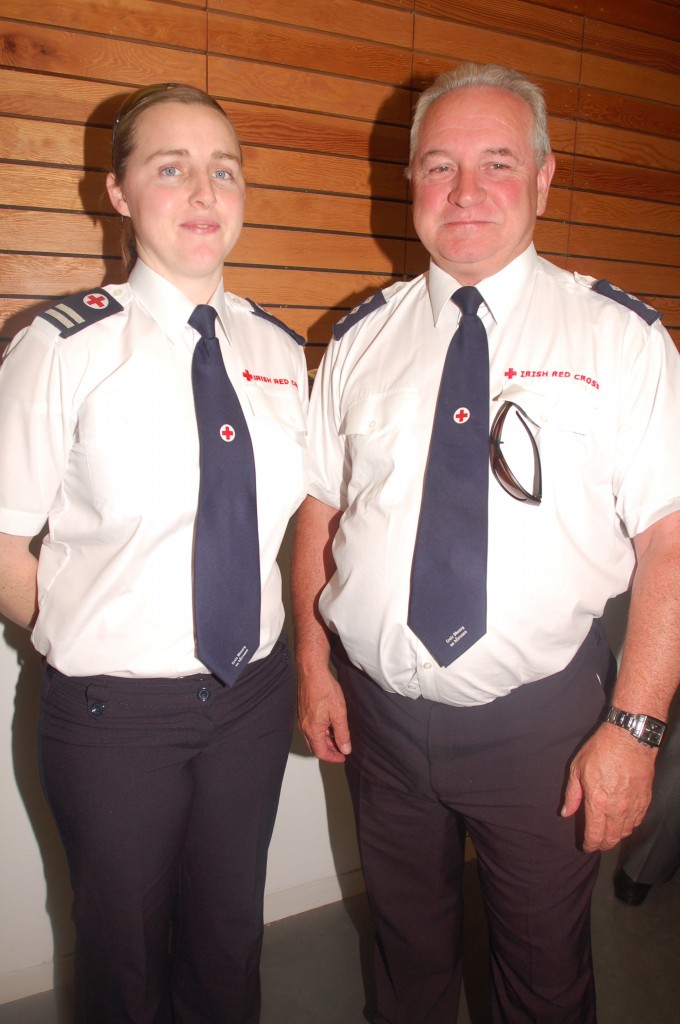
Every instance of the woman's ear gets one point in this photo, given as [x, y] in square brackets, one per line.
[118, 200]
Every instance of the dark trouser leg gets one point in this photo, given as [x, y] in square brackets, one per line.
[501, 767]
[510, 760]
[123, 786]
[224, 861]
[411, 853]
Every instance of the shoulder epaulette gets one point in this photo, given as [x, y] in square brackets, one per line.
[79, 311]
[259, 311]
[358, 313]
[648, 314]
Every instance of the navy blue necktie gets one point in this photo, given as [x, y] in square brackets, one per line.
[226, 547]
[447, 610]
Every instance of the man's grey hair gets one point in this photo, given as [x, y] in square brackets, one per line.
[492, 76]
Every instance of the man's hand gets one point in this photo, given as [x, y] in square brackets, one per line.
[323, 716]
[611, 776]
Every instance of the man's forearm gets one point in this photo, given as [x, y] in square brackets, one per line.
[18, 580]
[312, 567]
[321, 705]
[650, 665]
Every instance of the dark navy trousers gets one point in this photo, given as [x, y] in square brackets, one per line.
[165, 793]
[421, 774]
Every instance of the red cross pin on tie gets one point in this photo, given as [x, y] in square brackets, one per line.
[447, 608]
[226, 547]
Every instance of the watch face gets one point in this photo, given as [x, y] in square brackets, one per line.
[644, 728]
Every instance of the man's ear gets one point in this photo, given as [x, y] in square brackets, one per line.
[543, 179]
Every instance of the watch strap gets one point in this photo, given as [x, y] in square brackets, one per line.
[644, 728]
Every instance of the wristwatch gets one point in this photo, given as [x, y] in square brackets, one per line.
[644, 728]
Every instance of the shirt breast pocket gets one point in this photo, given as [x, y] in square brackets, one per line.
[278, 410]
[380, 433]
[562, 426]
[278, 432]
[137, 451]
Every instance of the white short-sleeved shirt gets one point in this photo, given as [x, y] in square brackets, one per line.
[98, 437]
[601, 390]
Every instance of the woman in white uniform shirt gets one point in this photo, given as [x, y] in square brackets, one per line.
[163, 782]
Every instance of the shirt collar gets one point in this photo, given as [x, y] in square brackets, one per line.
[500, 292]
[169, 306]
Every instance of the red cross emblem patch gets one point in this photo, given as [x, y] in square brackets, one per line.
[227, 432]
[96, 299]
[461, 415]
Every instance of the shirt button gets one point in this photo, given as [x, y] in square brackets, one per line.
[413, 686]
[203, 694]
[372, 424]
[96, 708]
[427, 664]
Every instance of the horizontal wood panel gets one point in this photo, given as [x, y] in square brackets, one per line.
[321, 94]
[317, 133]
[117, 60]
[277, 44]
[629, 112]
[573, 6]
[463, 42]
[22, 185]
[639, 214]
[636, 278]
[28, 93]
[627, 146]
[624, 180]
[63, 275]
[627, 44]
[343, 17]
[341, 175]
[320, 212]
[43, 143]
[636, 246]
[516, 17]
[670, 308]
[307, 90]
[629, 79]
[46, 232]
[147, 20]
[648, 15]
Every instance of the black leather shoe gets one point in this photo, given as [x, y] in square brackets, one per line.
[628, 891]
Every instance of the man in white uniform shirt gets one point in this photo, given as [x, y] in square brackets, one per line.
[513, 740]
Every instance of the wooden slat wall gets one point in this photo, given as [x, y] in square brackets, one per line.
[321, 93]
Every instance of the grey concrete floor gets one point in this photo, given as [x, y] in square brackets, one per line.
[315, 967]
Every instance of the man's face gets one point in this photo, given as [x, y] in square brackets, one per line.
[476, 188]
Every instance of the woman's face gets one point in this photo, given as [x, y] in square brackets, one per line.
[184, 190]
